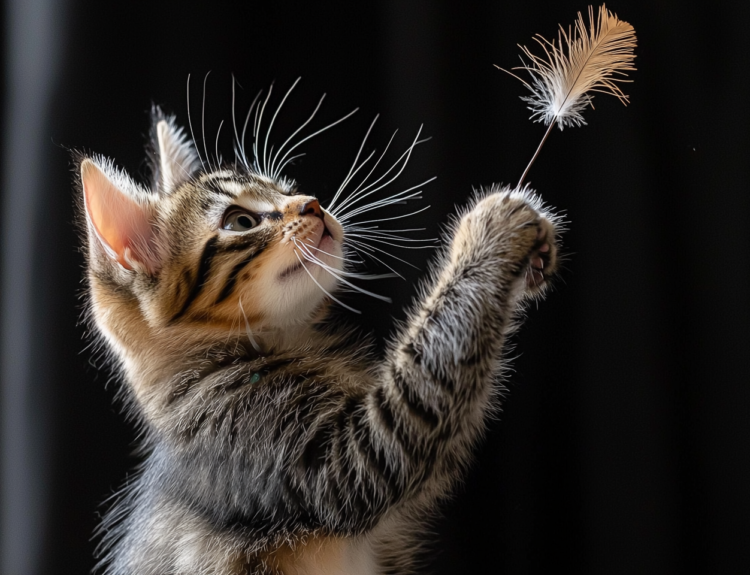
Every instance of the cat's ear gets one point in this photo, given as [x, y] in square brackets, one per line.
[120, 216]
[174, 157]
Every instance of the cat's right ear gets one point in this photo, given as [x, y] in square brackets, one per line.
[174, 157]
[120, 216]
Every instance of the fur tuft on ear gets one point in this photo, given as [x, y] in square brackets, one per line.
[120, 215]
[174, 157]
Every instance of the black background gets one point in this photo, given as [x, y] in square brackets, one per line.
[623, 443]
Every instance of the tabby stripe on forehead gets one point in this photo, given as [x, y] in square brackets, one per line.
[213, 186]
[209, 251]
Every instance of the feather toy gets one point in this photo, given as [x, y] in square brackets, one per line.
[585, 59]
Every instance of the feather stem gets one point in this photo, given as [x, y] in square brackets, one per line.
[538, 149]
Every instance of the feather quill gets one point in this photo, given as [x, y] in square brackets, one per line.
[585, 59]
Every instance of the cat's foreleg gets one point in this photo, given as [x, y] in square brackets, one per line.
[439, 375]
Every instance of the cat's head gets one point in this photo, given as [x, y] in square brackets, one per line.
[202, 254]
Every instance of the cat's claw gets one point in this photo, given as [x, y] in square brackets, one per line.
[542, 259]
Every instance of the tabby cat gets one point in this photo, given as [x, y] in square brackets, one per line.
[275, 442]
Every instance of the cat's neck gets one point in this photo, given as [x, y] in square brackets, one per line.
[153, 354]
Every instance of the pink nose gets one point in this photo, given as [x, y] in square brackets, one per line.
[311, 207]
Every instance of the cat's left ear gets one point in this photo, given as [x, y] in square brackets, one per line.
[174, 157]
[120, 215]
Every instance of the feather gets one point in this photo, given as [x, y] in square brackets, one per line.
[584, 60]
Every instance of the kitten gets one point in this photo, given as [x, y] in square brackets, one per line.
[273, 442]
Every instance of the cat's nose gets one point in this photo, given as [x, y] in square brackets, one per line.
[311, 207]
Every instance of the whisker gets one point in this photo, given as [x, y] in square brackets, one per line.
[325, 252]
[273, 162]
[244, 129]
[375, 234]
[342, 304]
[356, 158]
[282, 166]
[345, 182]
[396, 240]
[391, 244]
[256, 165]
[385, 234]
[359, 194]
[361, 245]
[361, 249]
[400, 197]
[331, 125]
[357, 228]
[273, 119]
[203, 118]
[234, 119]
[257, 130]
[393, 218]
[343, 273]
[190, 124]
[360, 209]
[367, 177]
[218, 133]
[334, 273]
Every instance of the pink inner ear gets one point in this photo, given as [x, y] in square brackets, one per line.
[121, 224]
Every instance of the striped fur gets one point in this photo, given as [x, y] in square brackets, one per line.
[274, 442]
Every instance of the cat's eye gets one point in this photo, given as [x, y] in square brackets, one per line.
[238, 221]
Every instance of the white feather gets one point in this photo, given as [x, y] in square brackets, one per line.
[583, 60]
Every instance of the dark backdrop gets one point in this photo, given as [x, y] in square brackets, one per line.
[623, 443]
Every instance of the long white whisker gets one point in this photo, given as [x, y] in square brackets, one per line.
[390, 234]
[362, 247]
[400, 197]
[244, 129]
[234, 118]
[203, 118]
[275, 172]
[377, 229]
[303, 140]
[401, 241]
[257, 131]
[218, 133]
[362, 195]
[349, 178]
[393, 238]
[362, 250]
[356, 158]
[358, 195]
[386, 236]
[338, 272]
[282, 166]
[273, 119]
[393, 218]
[322, 288]
[391, 244]
[190, 123]
[326, 253]
[256, 165]
[367, 177]
[334, 272]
